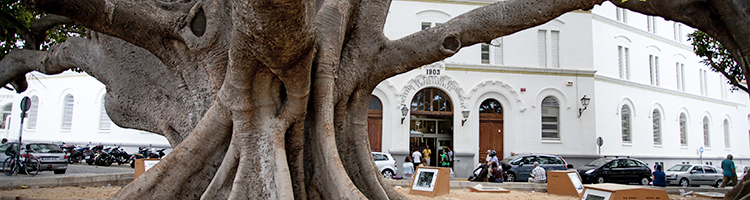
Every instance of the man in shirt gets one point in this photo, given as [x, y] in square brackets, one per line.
[416, 157]
[538, 175]
[426, 153]
[729, 171]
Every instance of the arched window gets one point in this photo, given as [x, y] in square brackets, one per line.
[104, 121]
[491, 106]
[706, 136]
[550, 118]
[67, 118]
[727, 144]
[6, 112]
[683, 130]
[374, 103]
[431, 101]
[33, 113]
[626, 127]
[656, 116]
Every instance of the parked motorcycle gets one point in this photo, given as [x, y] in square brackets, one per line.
[119, 155]
[78, 154]
[104, 158]
[91, 156]
[72, 153]
[145, 152]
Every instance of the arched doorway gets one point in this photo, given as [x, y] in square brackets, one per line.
[375, 123]
[490, 128]
[431, 123]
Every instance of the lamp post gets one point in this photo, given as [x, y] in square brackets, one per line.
[404, 111]
[465, 113]
[585, 102]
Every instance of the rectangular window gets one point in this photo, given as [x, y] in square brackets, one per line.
[727, 144]
[498, 44]
[654, 66]
[651, 23]
[542, 52]
[555, 48]
[723, 85]
[704, 88]
[622, 58]
[680, 76]
[622, 15]
[485, 53]
[426, 25]
[678, 32]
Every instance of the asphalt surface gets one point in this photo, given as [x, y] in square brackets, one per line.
[77, 169]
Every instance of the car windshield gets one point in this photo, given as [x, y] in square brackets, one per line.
[509, 159]
[44, 148]
[679, 168]
[597, 162]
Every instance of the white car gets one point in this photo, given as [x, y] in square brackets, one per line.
[386, 164]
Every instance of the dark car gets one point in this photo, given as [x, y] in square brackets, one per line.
[521, 165]
[615, 170]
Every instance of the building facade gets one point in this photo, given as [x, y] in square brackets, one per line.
[648, 95]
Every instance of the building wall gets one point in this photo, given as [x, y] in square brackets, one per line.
[88, 94]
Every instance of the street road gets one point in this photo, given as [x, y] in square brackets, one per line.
[77, 169]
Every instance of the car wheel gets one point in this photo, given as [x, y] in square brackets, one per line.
[600, 179]
[388, 174]
[62, 171]
[645, 181]
[511, 177]
[684, 182]
[718, 183]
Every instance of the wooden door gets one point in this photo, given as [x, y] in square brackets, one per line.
[375, 132]
[490, 138]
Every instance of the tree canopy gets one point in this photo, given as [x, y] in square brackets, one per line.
[719, 59]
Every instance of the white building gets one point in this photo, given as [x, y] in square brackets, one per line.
[650, 98]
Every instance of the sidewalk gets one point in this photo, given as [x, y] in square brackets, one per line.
[118, 179]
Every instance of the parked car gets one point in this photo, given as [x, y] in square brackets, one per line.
[693, 175]
[615, 170]
[50, 156]
[386, 164]
[521, 165]
[741, 171]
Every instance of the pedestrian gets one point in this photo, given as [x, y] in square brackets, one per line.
[450, 157]
[444, 162]
[729, 171]
[423, 163]
[492, 158]
[426, 154]
[416, 156]
[660, 178]
[538, 174]
[496, 174]
[408, 168]
[5, 140]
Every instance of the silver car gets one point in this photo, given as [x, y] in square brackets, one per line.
[386, 164]
[693, 175]
[50, 156]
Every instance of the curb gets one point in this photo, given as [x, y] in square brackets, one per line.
[74, 180]
[542, 187]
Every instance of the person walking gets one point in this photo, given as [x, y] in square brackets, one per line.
[444, 159]
[416, 156]
[660, 178]
[450, 157]
[538, 174]
[730, 172]
[426, 154]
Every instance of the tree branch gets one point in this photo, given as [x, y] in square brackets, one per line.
[143, 23]
[25, 32]
[39, 27]
[732, 79]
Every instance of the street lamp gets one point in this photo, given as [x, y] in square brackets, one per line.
[404, 111]
[466, 116]
[585, 102]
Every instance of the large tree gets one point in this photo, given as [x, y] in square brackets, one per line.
[264, 99]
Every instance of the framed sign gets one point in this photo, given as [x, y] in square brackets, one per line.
[425, 179]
